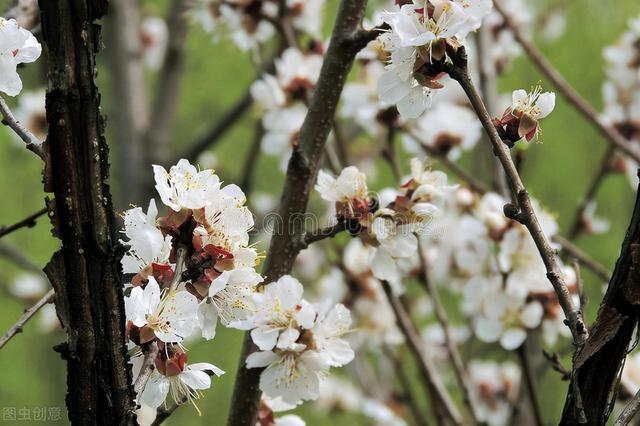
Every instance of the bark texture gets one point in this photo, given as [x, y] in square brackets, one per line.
[288, 235]
[598, 362]
[85, 272]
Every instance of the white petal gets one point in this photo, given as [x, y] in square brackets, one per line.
[513, 338]
[261, 359]
[264, 338]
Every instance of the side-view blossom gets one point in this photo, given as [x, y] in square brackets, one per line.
[17, 46]
[184, 187]
[184, 382]
[495, 390]
[521, 119]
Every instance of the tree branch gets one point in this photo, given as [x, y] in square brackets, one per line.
[86, 271]
[523, 211]
[301, 172]
[150, 352]
[454, 355]
[583, 257]
[428, 372]
[32, 143]
[629, 412]
[582, 106]
[596, 365]
[529, 381]
[28, 314]
[27, 222]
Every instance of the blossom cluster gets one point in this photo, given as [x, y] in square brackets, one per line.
[250, 24]
[621, 91]
[194, 267]
[284, 96]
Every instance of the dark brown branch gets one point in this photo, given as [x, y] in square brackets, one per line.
[15, 255]
[32, 143]
[406, 387]
[28, 313]
[629, 412]
[596, 365]
[523, 210]
[556, 364]
[323, 233]
[301, 173]
[570, 94]
[85, 272]
[428, 372]
[27, 222]
[584, 258]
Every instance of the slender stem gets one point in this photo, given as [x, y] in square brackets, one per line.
[583, 257]
[584, 299]
[219, 128]
[570, 94]
[169, 82]
[428, 371]
[15, 255]
[454, 355]
[389, 153]
[405, 383]
[33, 144]
[324, 233]
[523, 211]
[252, 158]
[530, 384]
[181, 257]
[27, 222]
[28, 314]
[150, 352]
[474, 183]
[629, 411]
[605, 168]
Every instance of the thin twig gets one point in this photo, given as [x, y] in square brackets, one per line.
[530, 384]
[629, 411]
[587, 111]
[389, 153]
[27, 222]
[28, 314]
[405, 383]
[165, 105]
[33, 144]
[474, 183]
[252, 158]
[150, 352]
[15, 255]
[181, 265]
[324, 233]
[428, 371]
[219, 128]
[584, 299]
[454, 355]
[522, 210]
[605, 168]
[556, 364]
[583, 257]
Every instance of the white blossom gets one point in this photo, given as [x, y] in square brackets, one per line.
[17, 46]
[184, 187]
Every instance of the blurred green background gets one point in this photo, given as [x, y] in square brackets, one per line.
[556, 172]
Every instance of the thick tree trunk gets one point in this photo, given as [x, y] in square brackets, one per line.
[597, 364]
[85, 272]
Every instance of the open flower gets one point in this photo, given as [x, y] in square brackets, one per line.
[173, 375]
[327, 335]
[229, 298]
[280, 311]
[521, 119]
[495, 390]
[17, 46]
[170, 316]
[148, 245]
[348, 191]
[184, 187]
[293, 375]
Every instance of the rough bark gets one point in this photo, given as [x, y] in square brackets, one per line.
[288, 238]
[597, 364]
[85, 272]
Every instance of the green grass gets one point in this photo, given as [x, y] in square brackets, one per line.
[556, 172]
